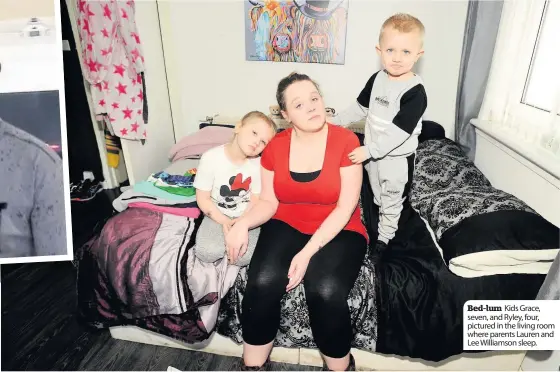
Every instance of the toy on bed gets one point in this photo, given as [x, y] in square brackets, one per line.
[407, 302]
[275, 112]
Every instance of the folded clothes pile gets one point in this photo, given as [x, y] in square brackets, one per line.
[164, 192]
[174, 184]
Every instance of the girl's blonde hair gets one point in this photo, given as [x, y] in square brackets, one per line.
[258, 115]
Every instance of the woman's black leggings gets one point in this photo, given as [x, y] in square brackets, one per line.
[330, 276]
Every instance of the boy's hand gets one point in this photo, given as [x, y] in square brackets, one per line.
[359, 155]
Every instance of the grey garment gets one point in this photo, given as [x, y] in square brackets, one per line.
[354, 113]
[382, 134]
[388, 179]
[393, 110]
[32, 185]
[481, 30]
[211, 246]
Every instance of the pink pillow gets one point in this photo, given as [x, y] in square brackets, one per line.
[194, 145]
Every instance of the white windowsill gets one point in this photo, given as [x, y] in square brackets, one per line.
[547, 163]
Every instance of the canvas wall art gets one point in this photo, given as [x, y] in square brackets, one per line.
[312, 31]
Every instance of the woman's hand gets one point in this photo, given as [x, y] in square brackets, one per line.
[297, 270]
[226, 226]
[237, 239]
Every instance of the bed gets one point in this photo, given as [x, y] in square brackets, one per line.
[406, 305]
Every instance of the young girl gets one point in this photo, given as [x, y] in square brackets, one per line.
[228, 183]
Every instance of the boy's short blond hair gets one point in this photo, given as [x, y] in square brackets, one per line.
[403, 22]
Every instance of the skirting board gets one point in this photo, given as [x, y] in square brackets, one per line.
[490, 361]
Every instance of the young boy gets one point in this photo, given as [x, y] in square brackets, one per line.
[393, 101]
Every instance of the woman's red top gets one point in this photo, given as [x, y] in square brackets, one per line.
[305, 205]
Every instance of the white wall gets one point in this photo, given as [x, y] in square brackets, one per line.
[205, 59]
[10, 9]
[512, 173]
[145, 159]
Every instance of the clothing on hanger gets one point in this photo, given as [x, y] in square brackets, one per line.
[114, 65]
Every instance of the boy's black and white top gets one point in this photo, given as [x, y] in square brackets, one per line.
[393, 110]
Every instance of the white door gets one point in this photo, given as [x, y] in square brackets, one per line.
[142, 160]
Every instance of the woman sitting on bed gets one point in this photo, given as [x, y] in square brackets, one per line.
[311, 229]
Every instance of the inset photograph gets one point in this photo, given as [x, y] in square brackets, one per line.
[33, 206]
[32, 192]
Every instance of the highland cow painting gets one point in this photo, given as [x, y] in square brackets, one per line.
[312, 31]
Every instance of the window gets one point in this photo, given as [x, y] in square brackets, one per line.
[539, 92]
[522, 98]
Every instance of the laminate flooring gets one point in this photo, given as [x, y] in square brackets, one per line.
[41, 332]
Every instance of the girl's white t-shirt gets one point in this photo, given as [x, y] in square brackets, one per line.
[231, 185]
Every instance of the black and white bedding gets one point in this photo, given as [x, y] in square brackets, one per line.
[420, 300]
[407, 302]
[448, 188]
[480, 229]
